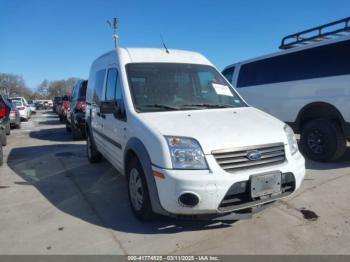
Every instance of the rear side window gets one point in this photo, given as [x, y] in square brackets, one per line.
[322, 61]
[111, 84]
[98, 87]
[228, 73]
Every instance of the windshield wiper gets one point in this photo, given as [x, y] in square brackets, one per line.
[208, 105]
[160, 106]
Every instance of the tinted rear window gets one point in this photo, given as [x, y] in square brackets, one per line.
[228, 73]
[322, 61]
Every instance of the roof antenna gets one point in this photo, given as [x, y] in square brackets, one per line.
[166, 49]
[115, 33]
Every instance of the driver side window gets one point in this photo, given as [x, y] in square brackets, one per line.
[114, 93]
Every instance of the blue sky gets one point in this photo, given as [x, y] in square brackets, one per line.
[58, 39]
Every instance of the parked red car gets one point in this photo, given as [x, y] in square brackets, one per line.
[63, 108]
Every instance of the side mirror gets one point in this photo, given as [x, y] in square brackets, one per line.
[119, 113]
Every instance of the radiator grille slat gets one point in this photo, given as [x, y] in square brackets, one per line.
[233, 161]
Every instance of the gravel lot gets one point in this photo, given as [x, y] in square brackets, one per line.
[54, 202]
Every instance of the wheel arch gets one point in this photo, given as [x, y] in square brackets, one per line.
[135, 148]
[318, 110]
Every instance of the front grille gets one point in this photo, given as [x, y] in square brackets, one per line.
[235, 160]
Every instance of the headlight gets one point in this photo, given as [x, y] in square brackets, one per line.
[292, 141]
[186, 153]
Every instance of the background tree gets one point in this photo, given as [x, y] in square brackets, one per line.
[61, 87]
[43, 89]
[13, 85]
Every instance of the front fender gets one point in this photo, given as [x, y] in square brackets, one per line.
[139, 149]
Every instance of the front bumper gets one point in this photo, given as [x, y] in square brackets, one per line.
[213, 186]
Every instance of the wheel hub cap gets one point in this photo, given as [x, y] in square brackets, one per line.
[136, 190]
[316, 142]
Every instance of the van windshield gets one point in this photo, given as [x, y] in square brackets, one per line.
[174, 86]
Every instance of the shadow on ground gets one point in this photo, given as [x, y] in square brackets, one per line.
[58, 134]
[93, 193]
[51, 122]
[343, 162]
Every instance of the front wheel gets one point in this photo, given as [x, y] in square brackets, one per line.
[138, 191]
[322, 140]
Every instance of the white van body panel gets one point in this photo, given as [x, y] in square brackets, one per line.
[286, 99]
[202, 124]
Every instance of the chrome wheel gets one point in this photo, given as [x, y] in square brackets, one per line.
[136, 189]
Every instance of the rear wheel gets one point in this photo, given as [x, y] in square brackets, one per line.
[76, 134]
[323, 140]
[138, 191]
[93, 154]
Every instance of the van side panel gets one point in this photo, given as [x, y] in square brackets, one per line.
[285, 100]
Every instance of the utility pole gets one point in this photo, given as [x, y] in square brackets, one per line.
[115, 31]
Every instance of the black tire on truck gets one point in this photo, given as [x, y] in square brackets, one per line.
[322, 140]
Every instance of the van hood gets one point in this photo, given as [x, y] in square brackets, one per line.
[217, 129]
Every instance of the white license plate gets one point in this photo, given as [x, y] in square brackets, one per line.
[265, 184]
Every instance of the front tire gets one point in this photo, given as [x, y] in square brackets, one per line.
[323, 140]
[138, 191]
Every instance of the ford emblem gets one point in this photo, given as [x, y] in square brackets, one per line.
[254, 155]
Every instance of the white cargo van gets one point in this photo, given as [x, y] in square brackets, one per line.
[187, 142]
[307, 85]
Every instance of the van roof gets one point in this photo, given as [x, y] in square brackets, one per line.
[291, 50]
[158, 55]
